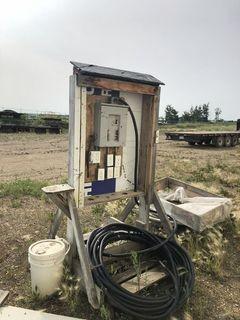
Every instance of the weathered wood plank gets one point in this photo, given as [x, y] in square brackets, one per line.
[55, 224]
[143, 220]
[147, 144]
[146, 279]
[161, 184]
[16, 313]
[161, 213]
[130, 273]
[172, 183]
[83, 257]
[112, 220]
[72, 88]
[82, 152]
[120, 248]
[60, 202]
[147, 154]
[3, 296]
[77, 100]
[127, 209]
[118, 85]
[152, 165]
[58, 188]
[71, 140]
[93, 200]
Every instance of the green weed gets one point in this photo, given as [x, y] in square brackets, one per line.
[136, 266]
[69, 290]
[231, 226]
[98, 209]
[19, 188]
[205, 248]
[104, 312]
[98, 212]
[35, 301]
[50, 216]
[16, 203]
[199, 304]
[64, 180]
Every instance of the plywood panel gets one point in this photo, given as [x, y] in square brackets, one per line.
[15, 313]
[3, 296]
[92, 200]
[145, 280]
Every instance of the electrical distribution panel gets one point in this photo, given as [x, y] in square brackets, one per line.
[110, 125]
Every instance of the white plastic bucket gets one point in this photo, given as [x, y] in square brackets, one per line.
[46, 261]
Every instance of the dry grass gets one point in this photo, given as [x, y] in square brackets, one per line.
[25, 218]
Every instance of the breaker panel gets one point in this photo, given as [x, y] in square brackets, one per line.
[104, 168]
[110, 125]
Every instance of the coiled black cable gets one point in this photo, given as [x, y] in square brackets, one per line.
[173, 259]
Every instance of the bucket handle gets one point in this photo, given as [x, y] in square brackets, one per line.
[66, 243]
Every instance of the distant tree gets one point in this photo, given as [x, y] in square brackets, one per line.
[205, 112]
[171, 115]
[196, 114]
[218, 111]
[186, 117]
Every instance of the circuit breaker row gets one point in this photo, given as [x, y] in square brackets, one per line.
[113, 168]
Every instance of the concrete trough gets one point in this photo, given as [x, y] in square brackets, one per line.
[191, 206]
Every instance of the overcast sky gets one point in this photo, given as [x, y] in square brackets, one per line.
[193, 46]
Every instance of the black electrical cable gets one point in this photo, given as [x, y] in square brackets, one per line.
[173, 259]
[136, 147]
[136, 154]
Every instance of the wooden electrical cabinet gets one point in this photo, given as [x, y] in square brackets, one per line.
[102, 138]
[113, 116]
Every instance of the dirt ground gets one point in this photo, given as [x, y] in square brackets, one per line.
[40, 157]
[26, 219]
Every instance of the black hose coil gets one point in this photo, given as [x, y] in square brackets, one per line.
[174, 260]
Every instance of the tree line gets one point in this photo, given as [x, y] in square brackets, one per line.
[195, 114]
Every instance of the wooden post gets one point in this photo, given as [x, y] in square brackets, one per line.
[128, 208]
[3, 296]
[73, 102]
[147, 154]
[83, 257]
[75, 153]
[143, 221]
[161, 213]
[55, 224]
[83, 125]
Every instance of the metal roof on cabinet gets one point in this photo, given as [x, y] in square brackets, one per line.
[124, 75]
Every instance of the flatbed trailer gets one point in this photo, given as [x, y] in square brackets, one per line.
[9, 128]
[216, 138]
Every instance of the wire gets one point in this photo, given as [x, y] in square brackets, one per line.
[136, 155]
[173, 259]
[165, 252]
[136, 147]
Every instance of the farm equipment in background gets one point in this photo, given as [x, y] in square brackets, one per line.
[216, 138]
[12, 121]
